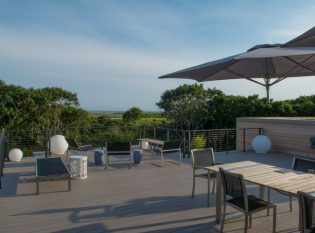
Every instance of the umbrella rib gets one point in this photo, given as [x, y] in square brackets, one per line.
[242, 76]
[276, 81]
[299, 64]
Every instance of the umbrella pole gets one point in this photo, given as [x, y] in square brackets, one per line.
[267, 85]
[267, 91]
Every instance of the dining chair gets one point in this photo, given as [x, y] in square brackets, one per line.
[235, 195]
[307, 212]
[299, 165]
[202, 158]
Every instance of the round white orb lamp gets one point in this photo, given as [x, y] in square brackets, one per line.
[261, 144]
[15, 155]
[58, 144]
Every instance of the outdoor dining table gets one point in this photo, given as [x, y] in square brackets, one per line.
[264, 175]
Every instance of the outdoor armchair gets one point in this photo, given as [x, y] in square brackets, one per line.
[170, 147]
[116, 149]
[235, 195]
[202, 158]
[74, 145]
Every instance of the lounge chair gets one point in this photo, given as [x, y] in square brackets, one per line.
[50, 169]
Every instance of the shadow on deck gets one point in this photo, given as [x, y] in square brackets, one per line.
[145, 198]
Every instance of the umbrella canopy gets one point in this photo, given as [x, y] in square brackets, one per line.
[272, 63]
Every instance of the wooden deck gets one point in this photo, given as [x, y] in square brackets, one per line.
[145, 198]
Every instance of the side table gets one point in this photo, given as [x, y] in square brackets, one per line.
[78, 167]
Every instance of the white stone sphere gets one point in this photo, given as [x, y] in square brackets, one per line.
[261, 144]
[15, 155]
[58, 144]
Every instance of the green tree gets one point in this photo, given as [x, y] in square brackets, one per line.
[133, 114]
[30, 108]
[189, 106]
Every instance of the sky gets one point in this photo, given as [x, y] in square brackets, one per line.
[111, 52]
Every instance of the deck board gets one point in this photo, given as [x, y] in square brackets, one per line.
[145, 198]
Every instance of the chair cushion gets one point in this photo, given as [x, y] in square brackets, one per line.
[254, 203]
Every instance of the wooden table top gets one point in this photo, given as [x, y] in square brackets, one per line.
[281, 179]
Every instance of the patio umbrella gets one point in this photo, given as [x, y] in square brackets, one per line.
[273, 63]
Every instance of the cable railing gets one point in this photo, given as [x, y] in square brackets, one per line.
[2, 155]
[37, 140]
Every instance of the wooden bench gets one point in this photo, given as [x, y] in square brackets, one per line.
[50, 169]
[151, 142]
[164, 147]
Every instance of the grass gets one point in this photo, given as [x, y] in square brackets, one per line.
[148, 119]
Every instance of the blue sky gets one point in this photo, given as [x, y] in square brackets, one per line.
[110, 52]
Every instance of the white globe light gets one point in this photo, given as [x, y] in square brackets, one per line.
[261, 144]
[58, 144]
[15, 155]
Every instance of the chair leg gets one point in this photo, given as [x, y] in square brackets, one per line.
[208, 188]
[268, 199]
[250, 221]
[193, 189]
[290, 203]
[223, 217]
[246, 223]
[274, 226]
[69, 183]
[213, 186]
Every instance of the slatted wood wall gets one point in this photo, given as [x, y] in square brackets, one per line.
[288, 135]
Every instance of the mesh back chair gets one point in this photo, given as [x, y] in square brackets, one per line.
[307, 212]
[235, 195]
[118, 148]
[300, 165]
[202, 158]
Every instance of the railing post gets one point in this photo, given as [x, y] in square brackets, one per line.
[189, 148]
[154, 132]
[143, 131]
[47, 142]
[227, 141]
[244, 136]
[167, 135]
[7, 146]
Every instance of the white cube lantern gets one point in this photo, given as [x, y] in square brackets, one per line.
[261, 144]
[15, 155]
[58, 145]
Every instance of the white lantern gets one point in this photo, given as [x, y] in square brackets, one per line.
[58, 144]
[15, 155]
[261, 144]
[144, 145]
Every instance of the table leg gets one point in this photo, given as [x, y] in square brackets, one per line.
[262, 192]
[218, 199]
